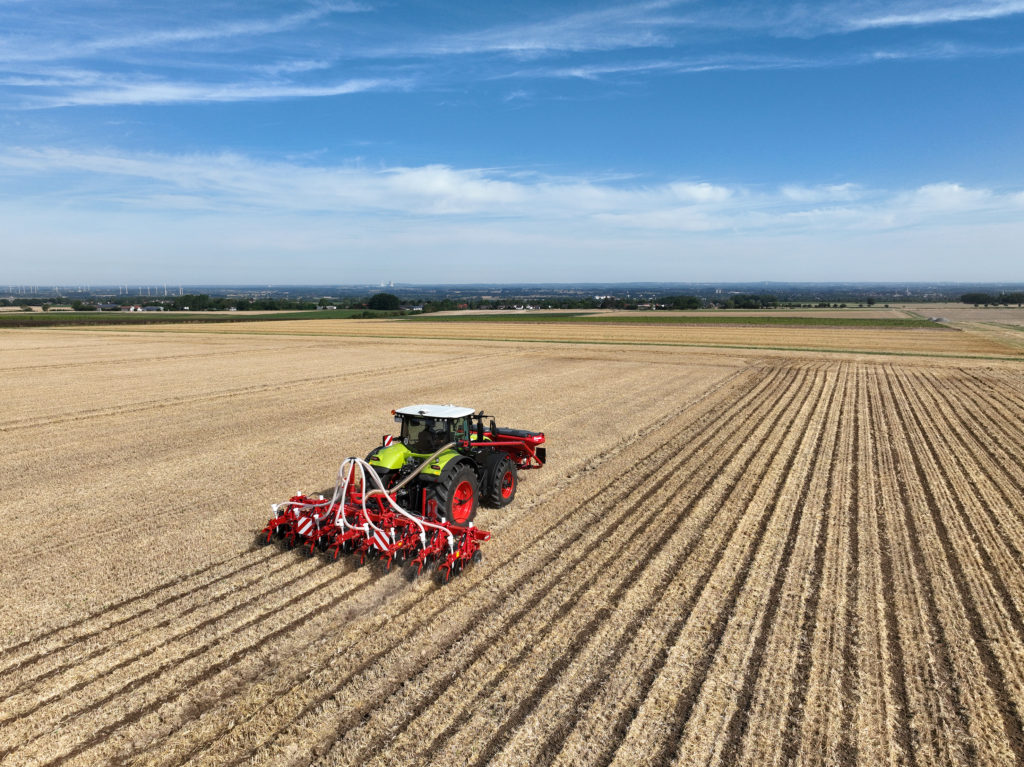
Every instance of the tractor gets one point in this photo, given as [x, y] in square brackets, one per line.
[415, 497]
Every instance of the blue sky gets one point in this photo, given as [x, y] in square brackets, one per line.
[432, 141]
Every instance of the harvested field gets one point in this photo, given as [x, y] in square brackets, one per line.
[937, 340]
[1010, 315]
[732, 558]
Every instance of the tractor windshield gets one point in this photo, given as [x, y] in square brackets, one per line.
[424, 435]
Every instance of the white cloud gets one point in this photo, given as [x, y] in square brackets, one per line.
[946, 197]
[227, 183]
[819, 194]
[701, 192]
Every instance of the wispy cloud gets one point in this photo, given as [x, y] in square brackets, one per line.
[633, 25]
[26, 48]
[672, 24]
[743, 62]
[121, 92]
[232, 182]
[324, 49]
[926, 14]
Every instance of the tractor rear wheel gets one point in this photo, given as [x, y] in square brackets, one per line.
[501, 478]
[457, 495]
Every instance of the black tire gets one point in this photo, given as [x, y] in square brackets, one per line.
[501, 480]
[458, 494]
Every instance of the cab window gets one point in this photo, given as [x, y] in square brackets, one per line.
[424, 435]
[460, 429]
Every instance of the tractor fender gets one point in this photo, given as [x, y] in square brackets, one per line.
[388, 457]
[448, 466]
[439, 467]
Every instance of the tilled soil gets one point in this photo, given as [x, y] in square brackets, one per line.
[727, 560]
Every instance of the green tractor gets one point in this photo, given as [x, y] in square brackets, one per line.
[446, 461]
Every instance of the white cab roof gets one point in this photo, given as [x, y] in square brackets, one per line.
[436, 411]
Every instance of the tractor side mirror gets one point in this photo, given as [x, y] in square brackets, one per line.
[494, 429]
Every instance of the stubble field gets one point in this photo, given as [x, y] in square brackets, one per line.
[733, 557]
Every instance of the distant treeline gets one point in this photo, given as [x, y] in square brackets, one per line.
[388, 302]
[427, 304]
[988, 299]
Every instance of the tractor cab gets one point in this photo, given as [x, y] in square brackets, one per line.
[426, 428]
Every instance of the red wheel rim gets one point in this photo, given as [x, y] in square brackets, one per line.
[508, 484]
[462, 502]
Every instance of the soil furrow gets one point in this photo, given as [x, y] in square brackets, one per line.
[41, 637]
[659, 733]
[152, 644]
[993, 532]
[992, 670]
[81, 718]
[826, 729]
[668, 597]
[947, 735]
[884, 709]
[1008, 388]
[717, 723]
[106, 730]
[993, 435]
[778, 672]
[76, 654]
